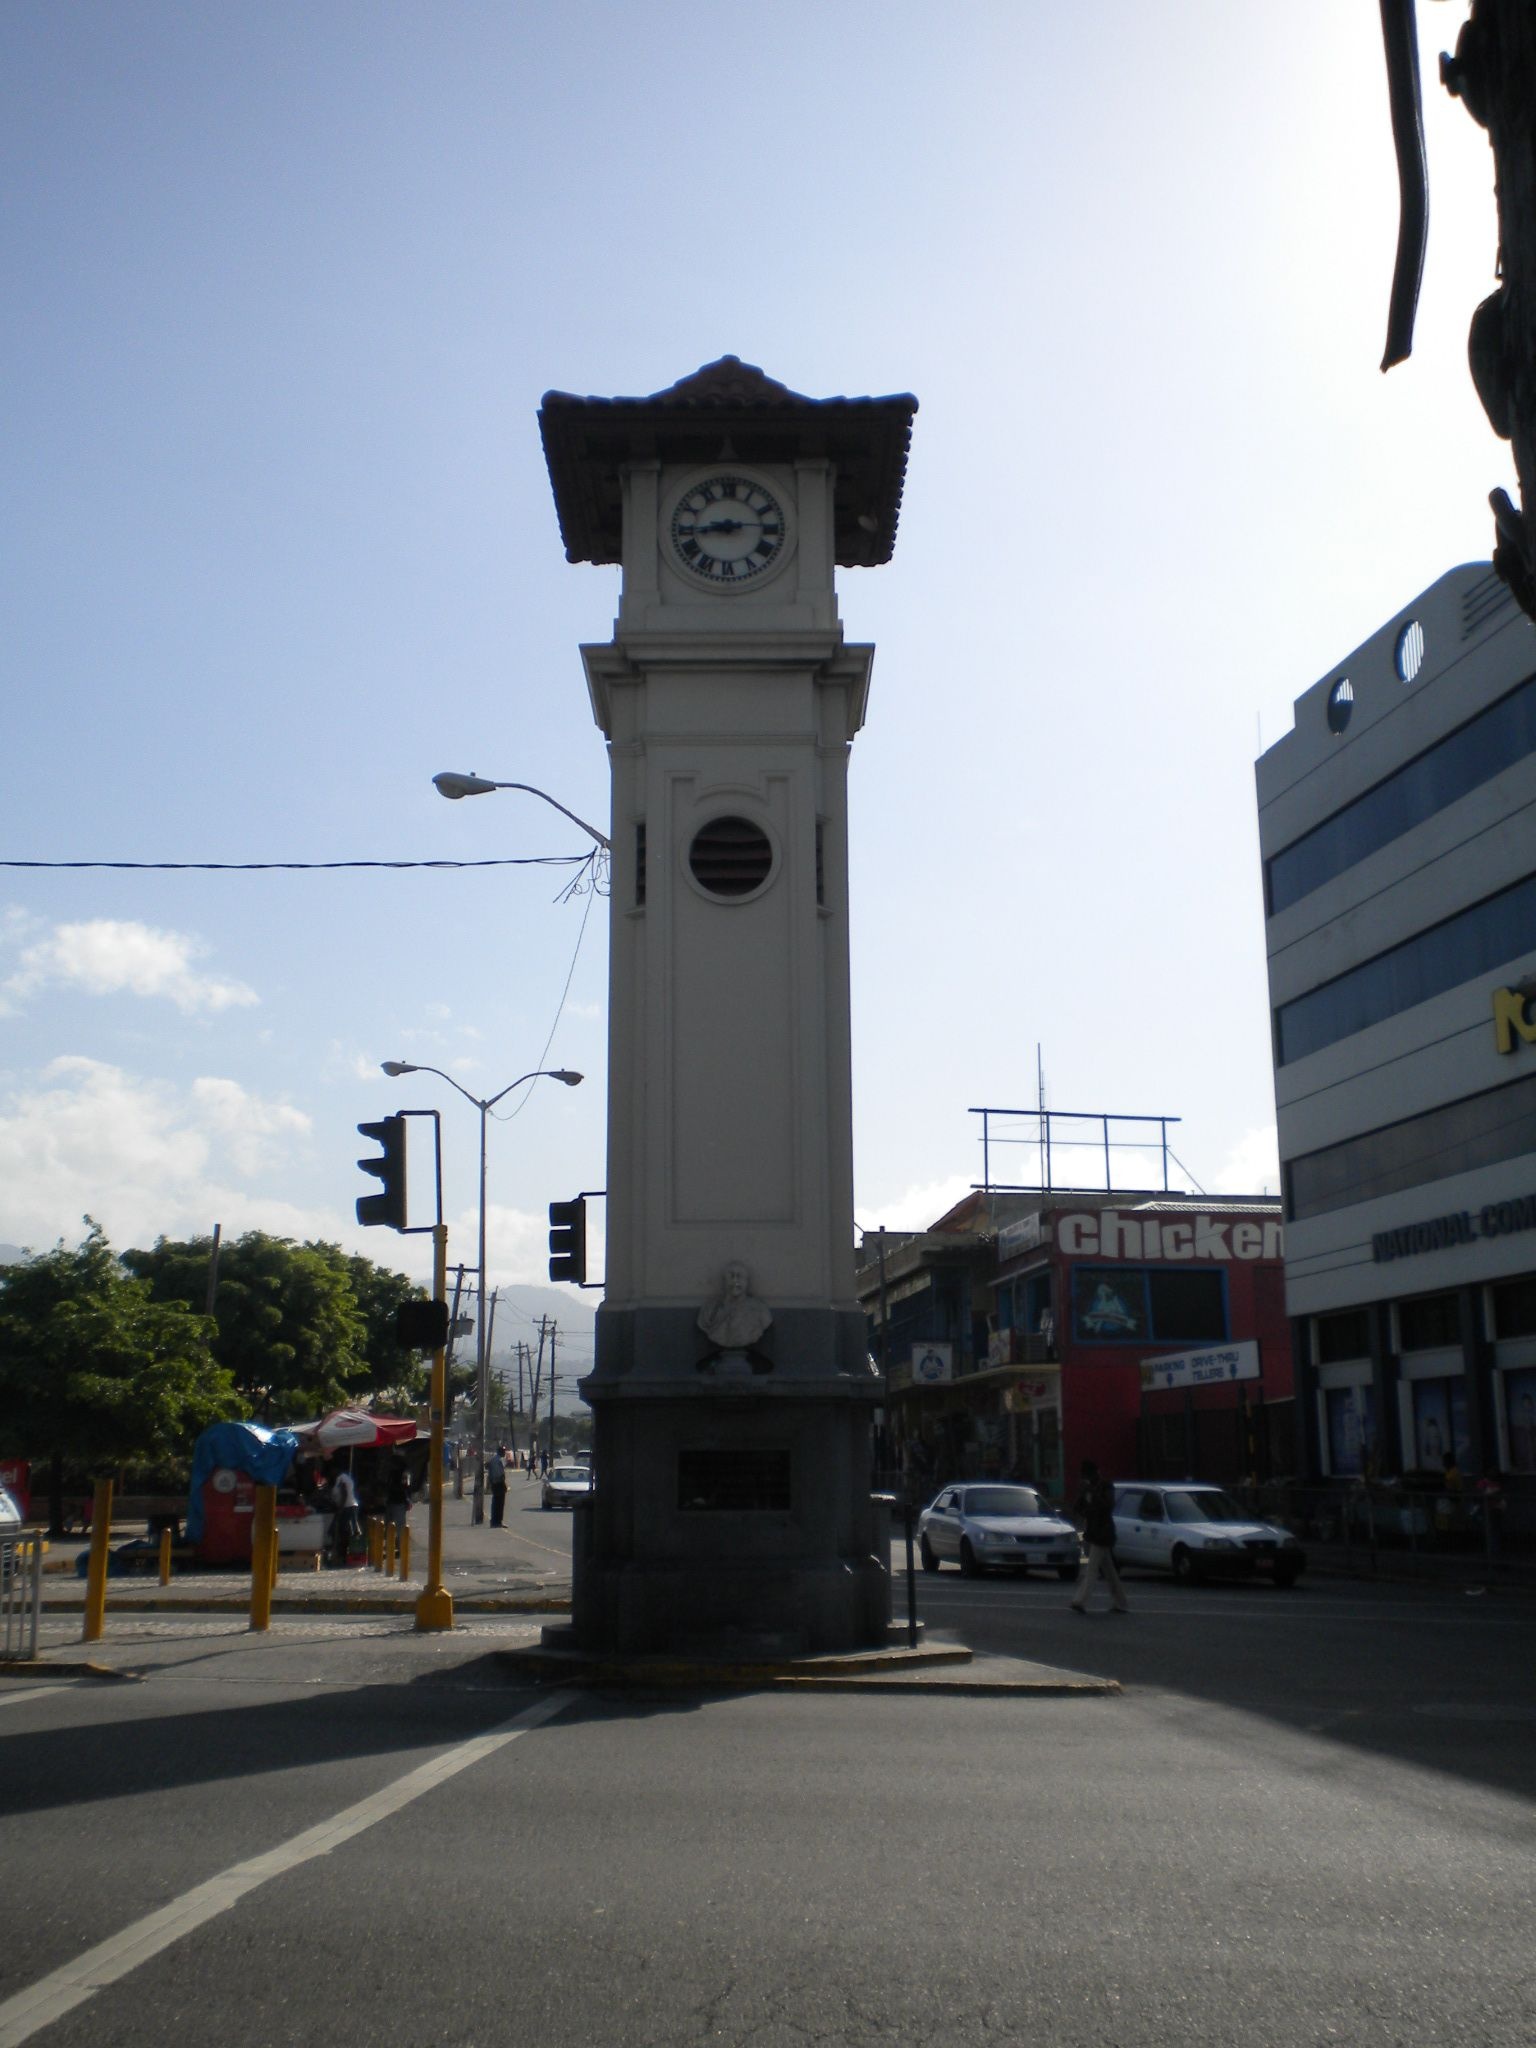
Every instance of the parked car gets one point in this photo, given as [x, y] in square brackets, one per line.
[565, 1485]
[10, 1513]
[988, 1527]
[1198, 1532]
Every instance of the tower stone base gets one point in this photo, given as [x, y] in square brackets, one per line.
[733, 1521]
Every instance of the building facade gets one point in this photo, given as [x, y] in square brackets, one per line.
[1397, 825]
[1026, 1332]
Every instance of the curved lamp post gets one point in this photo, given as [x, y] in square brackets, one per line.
[452, 785]
[485, 1105]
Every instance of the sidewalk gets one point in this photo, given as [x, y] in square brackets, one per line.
[488, 1571]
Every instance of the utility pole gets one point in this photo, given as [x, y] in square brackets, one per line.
[552, 1329]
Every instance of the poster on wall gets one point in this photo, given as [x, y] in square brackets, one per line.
[1109, 1302]
[1520, 1415]
[1351, 1430]
[1440, 1423]
[933, 1365]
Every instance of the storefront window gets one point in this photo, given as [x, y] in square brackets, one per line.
[1149, 1304]
[1514, 1308]
[1440, 1422]
[1344, 1335]
[1429, 1324]
[1351, 1430]
[1520, 1414]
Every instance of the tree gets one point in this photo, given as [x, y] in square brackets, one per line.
[289, 1331]
[394, 1376]
[94, 1371]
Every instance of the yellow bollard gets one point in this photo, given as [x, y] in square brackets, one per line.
[405, 1551]
[263, 1544]
[165, 1557]
[96, 1575]
[389, 1550]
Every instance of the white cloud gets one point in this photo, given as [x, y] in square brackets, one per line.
[144, 1158]
[108, 956]
[914, 1208]
[1252, 1167]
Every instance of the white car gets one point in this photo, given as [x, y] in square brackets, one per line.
[1199, 1532]
[990, 1527]
[565, 1485]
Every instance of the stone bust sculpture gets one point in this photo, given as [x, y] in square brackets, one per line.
[735, 1319]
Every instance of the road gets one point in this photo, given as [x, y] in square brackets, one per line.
[1308, 1818]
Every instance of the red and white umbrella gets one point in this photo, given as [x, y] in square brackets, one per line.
[353, 1429]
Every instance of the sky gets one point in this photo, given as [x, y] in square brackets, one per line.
[281, 288]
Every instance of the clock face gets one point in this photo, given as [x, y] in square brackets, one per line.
[727, 530]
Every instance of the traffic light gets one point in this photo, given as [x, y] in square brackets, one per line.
[421, 1325]
[388, 1205]
[568, 1240]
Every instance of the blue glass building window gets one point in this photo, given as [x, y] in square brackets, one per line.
[1459, 949]
[1433, 780]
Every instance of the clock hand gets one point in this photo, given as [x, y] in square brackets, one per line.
[726, 525]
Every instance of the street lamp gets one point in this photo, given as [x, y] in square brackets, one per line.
[452, 785]
[485, 1105]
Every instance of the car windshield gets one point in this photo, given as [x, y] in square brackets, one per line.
[575, 1473]
[1003, 1500]
[1210, 1504]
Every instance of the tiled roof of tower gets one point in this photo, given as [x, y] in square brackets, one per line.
[728, 411]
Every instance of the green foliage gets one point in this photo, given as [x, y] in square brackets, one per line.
[94, 1370]
[395, 1377]
[301, 1328]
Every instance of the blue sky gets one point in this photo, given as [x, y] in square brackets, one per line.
[282, 288]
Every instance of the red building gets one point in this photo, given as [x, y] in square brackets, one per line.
[1022, 1335]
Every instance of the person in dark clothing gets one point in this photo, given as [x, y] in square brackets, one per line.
[1094, 1511]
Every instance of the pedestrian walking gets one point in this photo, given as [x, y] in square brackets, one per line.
[397, 1498]
[496, 1474]
[346, 1527]
[1094, 1508]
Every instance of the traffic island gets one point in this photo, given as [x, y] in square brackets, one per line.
[945, 1668]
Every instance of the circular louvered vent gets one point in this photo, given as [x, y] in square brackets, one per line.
[730, 857]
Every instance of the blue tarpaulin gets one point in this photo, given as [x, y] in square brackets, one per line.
[265, 1454]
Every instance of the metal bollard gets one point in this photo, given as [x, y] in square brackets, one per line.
[389, 1550]
[96, 1576]
[375, 1543]
[263, 1545]
[165, 1557]
[405, 1551]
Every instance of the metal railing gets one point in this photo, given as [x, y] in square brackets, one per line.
[1366, 1519]
[21, 1596]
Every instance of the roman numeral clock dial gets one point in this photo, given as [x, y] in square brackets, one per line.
[727, 530]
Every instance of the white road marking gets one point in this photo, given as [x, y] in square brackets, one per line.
[51, 1997]
[37, 1692]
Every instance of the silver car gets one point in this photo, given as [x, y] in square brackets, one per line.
[565, 1485]
[1199, 1532]
[989, 1527]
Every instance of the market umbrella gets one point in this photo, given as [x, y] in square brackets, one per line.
[353, 1429]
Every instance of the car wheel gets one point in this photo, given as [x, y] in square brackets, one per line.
[925, 1551]
[1066, 1573]
[968, 1564]
[1185, 1570]
[1286, 1575]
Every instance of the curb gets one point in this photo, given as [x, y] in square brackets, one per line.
[466, 1603]
[891, 1671]
[37, 1667]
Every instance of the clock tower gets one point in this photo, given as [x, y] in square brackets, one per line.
[732, 1390]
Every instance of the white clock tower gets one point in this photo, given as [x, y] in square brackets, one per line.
[732, 1389]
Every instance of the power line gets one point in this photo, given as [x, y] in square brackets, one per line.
[248, 867]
